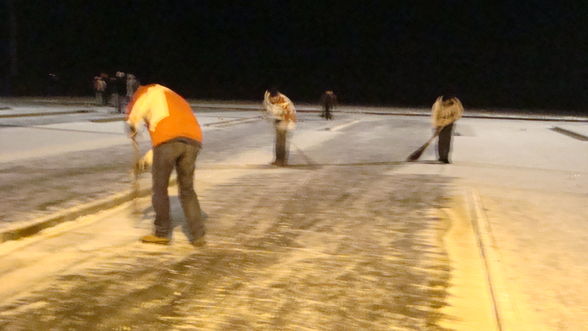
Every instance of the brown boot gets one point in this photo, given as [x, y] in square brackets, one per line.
[198, 240]
[279, 163]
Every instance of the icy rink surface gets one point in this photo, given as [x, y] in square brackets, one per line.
[353, 227]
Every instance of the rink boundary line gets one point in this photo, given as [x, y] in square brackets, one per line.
[295, 166]
[342, 126]
[569, 133]
[486, 165]
[504, 308]
[539, 118]
[231, 122]
[480, 116]
[38, 127]
[33, 227]
[231, 105]
[416, 114]
[82, 111]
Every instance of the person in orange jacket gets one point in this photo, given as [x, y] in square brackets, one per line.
[176, 138]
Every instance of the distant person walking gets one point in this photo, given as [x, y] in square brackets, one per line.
[176, 138]
[132, 86]
[100, 89]
[107, 87]
[119, 91]
[52, 84]
[282, 111]
[95, 86]
[328, 102]
[446, 110]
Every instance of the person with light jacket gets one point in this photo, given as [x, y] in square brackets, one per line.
[446, 110]
[281, 109]
[132, 86]
[176, 138]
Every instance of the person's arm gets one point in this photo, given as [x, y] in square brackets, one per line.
[266, 100]
[145, 162]
[289, 110]
[137, 112]
[268, 106]
[459, 108]
[436, 112]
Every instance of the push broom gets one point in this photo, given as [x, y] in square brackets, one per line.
[417, 154]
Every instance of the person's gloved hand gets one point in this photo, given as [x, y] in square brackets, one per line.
[144, 163]
[131, 131]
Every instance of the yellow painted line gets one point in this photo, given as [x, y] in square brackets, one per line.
[469, 302]
[507, 313]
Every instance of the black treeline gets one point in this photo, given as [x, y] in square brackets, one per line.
[515, 54]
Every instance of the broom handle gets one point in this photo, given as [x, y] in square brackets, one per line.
[417, 154]
[135, 187]
[136, 154]
[437, 132]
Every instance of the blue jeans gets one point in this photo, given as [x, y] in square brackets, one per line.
[179, 153]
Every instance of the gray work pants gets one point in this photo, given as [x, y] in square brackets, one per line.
[281, 144]
[444, 144]
[179, 154]
[327, 111]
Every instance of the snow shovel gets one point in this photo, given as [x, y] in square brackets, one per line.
[417, 154]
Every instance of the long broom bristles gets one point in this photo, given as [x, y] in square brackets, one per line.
[417, 154]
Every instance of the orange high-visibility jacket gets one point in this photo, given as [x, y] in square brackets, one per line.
[165, 113]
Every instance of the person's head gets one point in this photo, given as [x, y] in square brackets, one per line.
[273, 92]
[274, 95]
[449, 93]
[149, 78]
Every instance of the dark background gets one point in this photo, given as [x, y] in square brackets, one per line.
[503, 54]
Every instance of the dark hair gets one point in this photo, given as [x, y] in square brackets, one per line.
[273, 92]
[150, 77]
[449, 92]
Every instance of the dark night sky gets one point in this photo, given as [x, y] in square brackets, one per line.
[520, 54]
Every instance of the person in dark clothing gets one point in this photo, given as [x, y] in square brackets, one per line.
[52, 84]
[119, 91]
[444, 143]
[132, 86]
[328, 101]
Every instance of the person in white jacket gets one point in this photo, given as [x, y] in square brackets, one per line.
[446, 110]
[282, 110]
